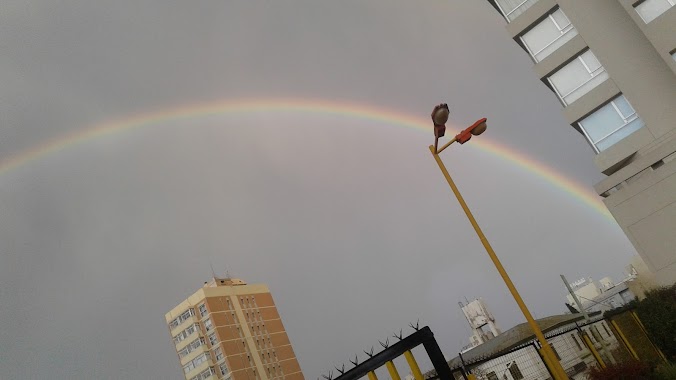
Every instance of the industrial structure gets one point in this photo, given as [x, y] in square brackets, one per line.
[231, 330]
[478, 317]
[602, 296]
[612, 65]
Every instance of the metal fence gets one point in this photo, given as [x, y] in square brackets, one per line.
[577, 346]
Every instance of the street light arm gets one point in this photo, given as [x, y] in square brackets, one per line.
[475, 129]
[454, 139]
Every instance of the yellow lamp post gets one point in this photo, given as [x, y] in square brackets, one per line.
[439, 117]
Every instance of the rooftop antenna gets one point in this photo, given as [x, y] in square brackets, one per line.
[213, 273]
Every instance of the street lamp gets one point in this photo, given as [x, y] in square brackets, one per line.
[439, 117]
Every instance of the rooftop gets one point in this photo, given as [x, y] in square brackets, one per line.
[515, 337]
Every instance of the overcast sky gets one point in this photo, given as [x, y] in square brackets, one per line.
[348, 220]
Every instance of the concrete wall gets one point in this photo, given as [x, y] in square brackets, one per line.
[635, 66]
[641, 188]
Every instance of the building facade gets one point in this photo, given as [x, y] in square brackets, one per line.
[231, 330]
[603, 296]
[612, 65]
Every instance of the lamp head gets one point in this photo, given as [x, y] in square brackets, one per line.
[440, 114]
[479, 128]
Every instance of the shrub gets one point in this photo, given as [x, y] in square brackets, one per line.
[665, 372]
[630, 370]
[658, 315]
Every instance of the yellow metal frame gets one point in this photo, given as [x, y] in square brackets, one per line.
[394, 375]
[645, 332]
[624, 339]
[593, 350]
[415, 370]
[554, 365]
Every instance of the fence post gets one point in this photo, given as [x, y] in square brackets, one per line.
[394, 375]
[417, 375]
[464, 372]
[544, 359]
[623, 339]
[590, 346]
[640, 325]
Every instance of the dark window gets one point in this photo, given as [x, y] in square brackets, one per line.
[579, 347]
[515, 371]
[555, 353]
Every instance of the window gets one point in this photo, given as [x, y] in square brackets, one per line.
[212, 338]
[555, 353]
[224, 369]
[548, 35]
[181, 318]
[207, 324]
[492, 376]
[512, 8]
[203, 310]
[579, 367]
[651, 9]
[605, 328]
[186, 333]
[200, 359]
[194, 363]
[191, 347]
[218, 353]
[610, 123]
[578, 77]
[579, 347]
[596, 334]
[205, 374]
[515, 371]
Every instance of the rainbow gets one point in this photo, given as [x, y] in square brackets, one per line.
[558, 180]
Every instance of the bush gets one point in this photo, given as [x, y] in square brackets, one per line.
[630, 370]
[665, 372]
[658, 315]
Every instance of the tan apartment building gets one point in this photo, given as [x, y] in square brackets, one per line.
[231, 330]
[612, 65]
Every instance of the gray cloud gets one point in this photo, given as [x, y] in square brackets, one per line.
[348, 220]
